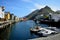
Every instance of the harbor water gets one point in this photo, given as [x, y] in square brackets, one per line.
[21, 30]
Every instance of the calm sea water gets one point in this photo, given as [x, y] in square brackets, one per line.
[21, 30]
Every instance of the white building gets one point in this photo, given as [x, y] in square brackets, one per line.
[1, 12]
[12, 16]
[16, 19]
[56, 17]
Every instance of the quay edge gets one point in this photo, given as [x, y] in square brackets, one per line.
[55, 37]
[6, 23]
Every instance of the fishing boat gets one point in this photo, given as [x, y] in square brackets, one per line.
[35, 29]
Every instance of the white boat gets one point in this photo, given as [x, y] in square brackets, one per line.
[35, 29]
[53, 29]
[42, 31]
[46, 32]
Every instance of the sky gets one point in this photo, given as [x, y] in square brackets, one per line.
[22, 8]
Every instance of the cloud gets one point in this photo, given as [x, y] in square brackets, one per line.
[38, 6]
[32, 9]
[35, 5]
[26, 0]
[54, 8]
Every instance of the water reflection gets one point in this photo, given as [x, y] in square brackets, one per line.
[5, 32]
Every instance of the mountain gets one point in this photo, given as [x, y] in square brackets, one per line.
[33, 14]
[46, 10]
[58, 12]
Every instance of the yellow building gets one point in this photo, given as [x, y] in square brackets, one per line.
[7, 16]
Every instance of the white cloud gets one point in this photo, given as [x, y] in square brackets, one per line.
[38, 6]
[26, 0]
[54, 8]
[32, 9]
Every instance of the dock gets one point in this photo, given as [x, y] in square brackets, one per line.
[52, 37]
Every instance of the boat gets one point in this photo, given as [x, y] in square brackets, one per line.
[46, 32]
[35, 29]
[42, 31]
[53, 29]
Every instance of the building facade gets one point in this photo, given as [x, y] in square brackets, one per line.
[56, 17]
[7, 16]
[12, 16]
[2, 11]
